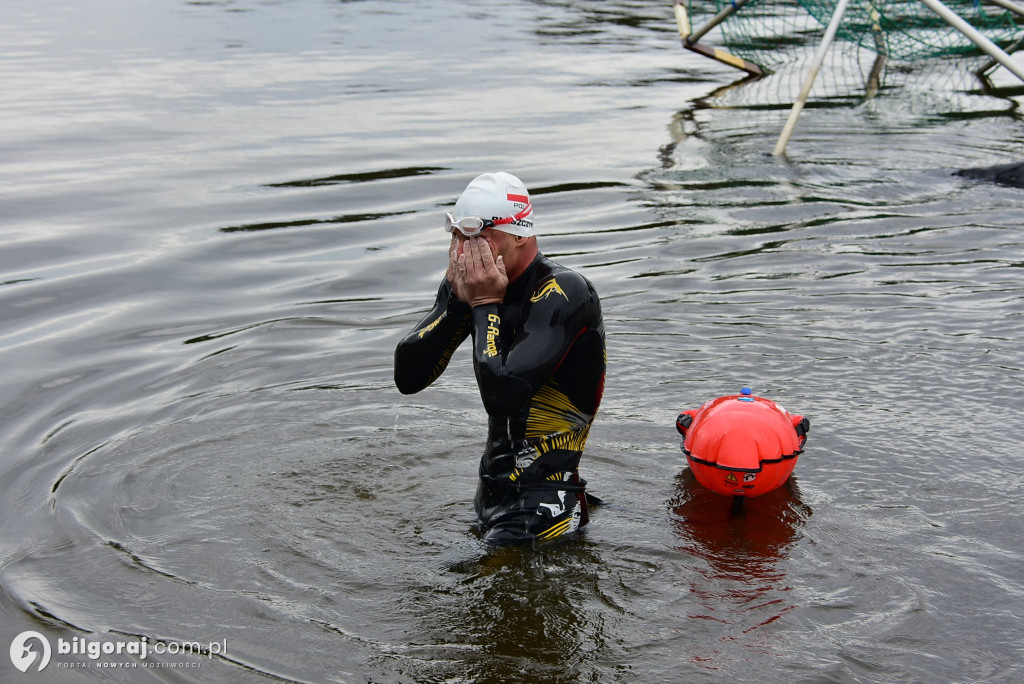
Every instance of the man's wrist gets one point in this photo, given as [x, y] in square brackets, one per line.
[454, 303]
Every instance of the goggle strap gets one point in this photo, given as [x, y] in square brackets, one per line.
[521, 215]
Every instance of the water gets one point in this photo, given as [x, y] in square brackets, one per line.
[219, 217]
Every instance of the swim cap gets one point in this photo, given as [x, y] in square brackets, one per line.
[497, 196]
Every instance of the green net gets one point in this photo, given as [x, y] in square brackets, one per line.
[764, 30]
[882, 48]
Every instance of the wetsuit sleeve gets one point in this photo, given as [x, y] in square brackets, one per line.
[557, 317]
[424, 353]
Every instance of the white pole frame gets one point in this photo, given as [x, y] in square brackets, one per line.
[798, 106]
[948, 15]
[1006, 4]
[983, 43]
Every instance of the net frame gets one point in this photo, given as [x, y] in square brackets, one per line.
[769, 32]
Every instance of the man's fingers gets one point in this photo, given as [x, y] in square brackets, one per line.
[469, 258]
[483, 279]
[481, 252]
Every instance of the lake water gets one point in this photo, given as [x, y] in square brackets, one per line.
[217, 219]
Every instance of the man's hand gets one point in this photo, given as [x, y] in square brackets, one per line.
[454, 279]
[479, 279]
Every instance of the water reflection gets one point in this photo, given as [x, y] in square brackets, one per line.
[517, 614]
[744, 544]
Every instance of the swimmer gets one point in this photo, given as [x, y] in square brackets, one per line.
[538, 354]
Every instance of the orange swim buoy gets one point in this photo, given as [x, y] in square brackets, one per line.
[741, 444]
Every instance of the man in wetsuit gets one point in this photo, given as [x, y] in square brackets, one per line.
[538, 355]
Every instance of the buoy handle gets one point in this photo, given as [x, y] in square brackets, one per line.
[683, 422]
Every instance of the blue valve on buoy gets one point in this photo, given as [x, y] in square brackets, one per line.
[746, 395]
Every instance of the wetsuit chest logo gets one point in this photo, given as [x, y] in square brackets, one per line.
[547, 290]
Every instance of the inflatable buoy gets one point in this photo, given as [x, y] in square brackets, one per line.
[742, 445]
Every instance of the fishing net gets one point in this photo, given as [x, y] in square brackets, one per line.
[764, 31]
[880, 44]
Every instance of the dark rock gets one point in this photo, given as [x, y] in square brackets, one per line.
[1002, 174]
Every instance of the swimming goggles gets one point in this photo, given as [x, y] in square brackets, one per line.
[471, 226]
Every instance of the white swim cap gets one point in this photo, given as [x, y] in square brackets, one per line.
[499, 197]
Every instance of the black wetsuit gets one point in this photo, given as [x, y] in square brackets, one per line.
[539, 358]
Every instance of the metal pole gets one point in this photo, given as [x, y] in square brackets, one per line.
[690, 39]
[682, 19]
[798, 106]
[715, 21]
[1006, 4]
[881, 51]
[992, 64]
[983, 43]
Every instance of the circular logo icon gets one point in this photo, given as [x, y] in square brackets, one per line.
[24, 657]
